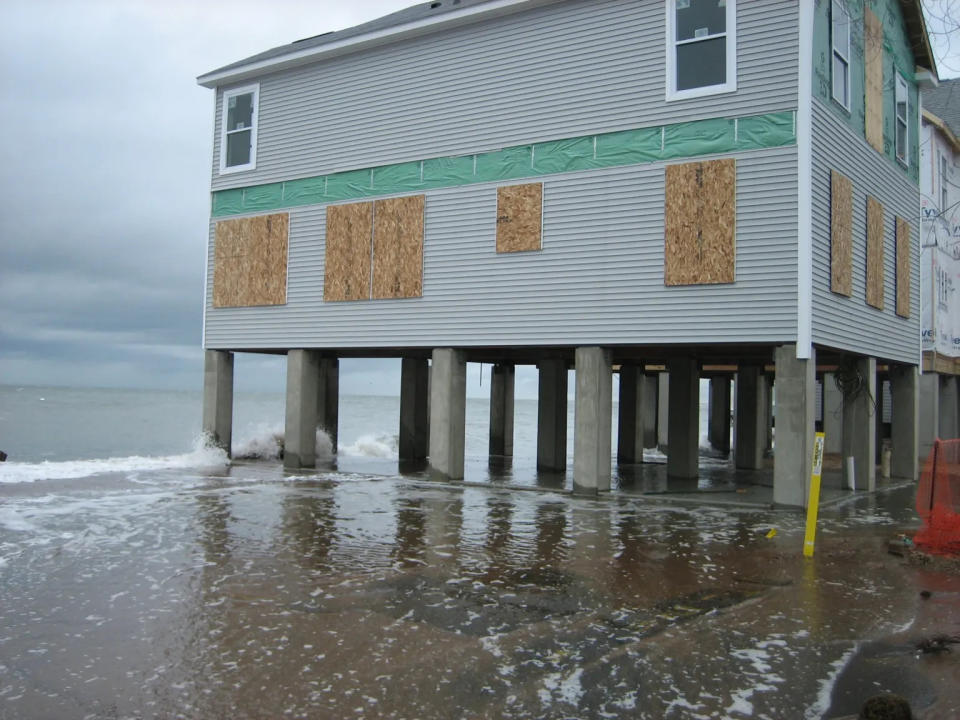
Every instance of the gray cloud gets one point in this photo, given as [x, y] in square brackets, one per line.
[105, 156]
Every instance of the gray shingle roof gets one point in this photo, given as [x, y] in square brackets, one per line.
[944, 102]
[401, 17]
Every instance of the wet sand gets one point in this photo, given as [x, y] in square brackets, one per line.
[249, 595]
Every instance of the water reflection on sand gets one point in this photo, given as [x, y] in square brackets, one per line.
[255, 595]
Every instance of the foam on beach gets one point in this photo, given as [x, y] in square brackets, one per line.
[203, 455]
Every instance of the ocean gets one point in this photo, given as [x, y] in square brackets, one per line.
[143, 575]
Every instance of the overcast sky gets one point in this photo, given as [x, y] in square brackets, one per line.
[105, 146]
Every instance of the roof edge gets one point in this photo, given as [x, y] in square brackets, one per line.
[296, 58]
[918, 35]
[942, 127]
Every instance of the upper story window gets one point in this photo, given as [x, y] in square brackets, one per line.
[903, 121]
[701, 48]
[840, 32]
[238, 140]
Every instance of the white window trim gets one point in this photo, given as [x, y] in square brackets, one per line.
[233, 92]
[900, 84]
[671, 51]
[844, 102]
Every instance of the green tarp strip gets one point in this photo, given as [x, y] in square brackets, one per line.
[591, 152]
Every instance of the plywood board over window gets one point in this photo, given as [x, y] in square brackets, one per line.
[250, 261]
[519, 217]
[841, 234]
[873, 76]
[398, 248]
[874, 253]
[903, 268]
[700, 209]
[346, 274]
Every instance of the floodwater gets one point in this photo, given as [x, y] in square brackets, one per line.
[245, 593]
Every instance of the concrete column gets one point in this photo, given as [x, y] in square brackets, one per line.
[218, 397]
[663, 409]
[592, 411]
[300, 434]
[683, 454]
[414, 401]
[859, 427]
[766, 395]
[718, 418]
[328, 399]
[949, 408]
[502, 384]
[929, 411]
[552, 415]
[795, 384]
[904, 430]
[832, 415]
[448, 407]
[750, 438]
[648, 410]
[632, 412]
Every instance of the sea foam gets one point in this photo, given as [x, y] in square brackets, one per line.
[203, 455]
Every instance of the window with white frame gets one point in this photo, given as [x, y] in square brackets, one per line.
[902, 121]
[943, 183]
[238, 141]
[840, 34]
[701, 48]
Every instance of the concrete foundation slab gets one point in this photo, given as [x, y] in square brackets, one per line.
[592, 418]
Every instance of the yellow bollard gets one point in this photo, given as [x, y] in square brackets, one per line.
[813, 503]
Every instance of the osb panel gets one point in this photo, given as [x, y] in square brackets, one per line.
[874, 253]
[250, 261]
[841, 234]
[346, 274]
[700, 211]
[903, 268]
[873, 58]
[519, 217]
[398, 248]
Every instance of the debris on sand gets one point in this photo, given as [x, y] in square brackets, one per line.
[886, 707]
[937, 644]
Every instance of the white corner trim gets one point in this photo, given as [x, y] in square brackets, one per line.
[379, 37]
[805, 182]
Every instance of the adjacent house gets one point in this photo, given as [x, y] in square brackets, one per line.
[596, 184]
[940, 261]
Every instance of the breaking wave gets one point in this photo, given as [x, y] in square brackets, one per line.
[265, 442]
[381, 445]
[202, 455]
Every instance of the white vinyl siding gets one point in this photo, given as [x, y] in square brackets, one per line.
[701, 48]
[840, 32]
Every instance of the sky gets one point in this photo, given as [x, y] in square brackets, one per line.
[105, 147]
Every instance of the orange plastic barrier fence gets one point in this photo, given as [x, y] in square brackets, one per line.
[938, 500]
